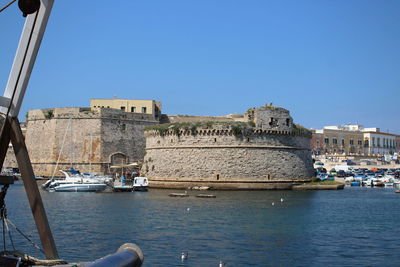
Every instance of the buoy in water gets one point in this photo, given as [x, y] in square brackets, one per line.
[222, 264]
[184, 256]
[273, 203]
[281, 199]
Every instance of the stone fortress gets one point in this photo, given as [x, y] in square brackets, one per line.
[261, 149]
[89, 139]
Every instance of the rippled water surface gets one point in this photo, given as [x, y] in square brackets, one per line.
[350, 227]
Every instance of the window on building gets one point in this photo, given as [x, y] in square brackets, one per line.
[144, 109]
[373, 141]
[334, 141]
[351, 142]
[273, 122]
[327, 141]
[378, 141]
[123, 108]
[287, 122]
[123, 127]
[133, 109]
[342, 141]
[366, 143]
[360, 142]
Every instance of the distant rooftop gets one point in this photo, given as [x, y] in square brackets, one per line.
[352, 127]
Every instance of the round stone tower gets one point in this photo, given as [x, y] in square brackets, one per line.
[266, 152]
[270, 118]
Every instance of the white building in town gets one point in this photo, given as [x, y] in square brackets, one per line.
[354, 140]
[379, 143]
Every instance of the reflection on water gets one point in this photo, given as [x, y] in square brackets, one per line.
[355, 226]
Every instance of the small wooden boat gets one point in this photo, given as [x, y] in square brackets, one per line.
[206, 196]
[179, 194]
[123, 188]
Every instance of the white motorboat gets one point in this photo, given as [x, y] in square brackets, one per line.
[140, 184]
[79, 187]
[75, 183]
[370, 181]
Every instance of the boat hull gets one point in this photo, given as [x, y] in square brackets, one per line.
[123, 188]
[80, 188]
[140, 188]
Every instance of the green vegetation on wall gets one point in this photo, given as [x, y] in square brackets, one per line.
[49, 114]
[300, 128]
[238, 128]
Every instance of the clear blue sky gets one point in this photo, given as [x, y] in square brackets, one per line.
[329, 62]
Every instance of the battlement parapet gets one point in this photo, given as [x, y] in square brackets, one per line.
[226, 132]
[86, 113]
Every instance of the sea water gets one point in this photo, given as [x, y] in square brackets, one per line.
[350, 227]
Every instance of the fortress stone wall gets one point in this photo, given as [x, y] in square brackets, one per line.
[268, 153]
[83, 138]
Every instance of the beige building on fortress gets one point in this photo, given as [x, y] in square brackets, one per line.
[129, 105]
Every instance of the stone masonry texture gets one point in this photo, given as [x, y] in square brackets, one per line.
[272, 151]
[83, 138]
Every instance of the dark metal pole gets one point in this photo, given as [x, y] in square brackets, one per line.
[32, 191]
[4, 141]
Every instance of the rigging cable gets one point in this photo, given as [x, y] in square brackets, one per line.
[6, 221]
[25, 236]
[3, 213]
[9, 4]
[9, 233]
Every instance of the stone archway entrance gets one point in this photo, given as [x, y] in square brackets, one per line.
[118, 159]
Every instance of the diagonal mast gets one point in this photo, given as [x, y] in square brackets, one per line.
[10, 104]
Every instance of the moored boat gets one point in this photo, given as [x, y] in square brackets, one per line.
[123, 188]
[79, 187]
[140, 184]
[75, 183]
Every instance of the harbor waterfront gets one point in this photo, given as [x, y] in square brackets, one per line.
[350, 227]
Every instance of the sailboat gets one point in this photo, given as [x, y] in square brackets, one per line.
[74, 180]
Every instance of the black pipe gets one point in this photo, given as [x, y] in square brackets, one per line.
[128, 255]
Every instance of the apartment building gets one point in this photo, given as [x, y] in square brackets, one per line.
[354, 140]
[129, 105]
